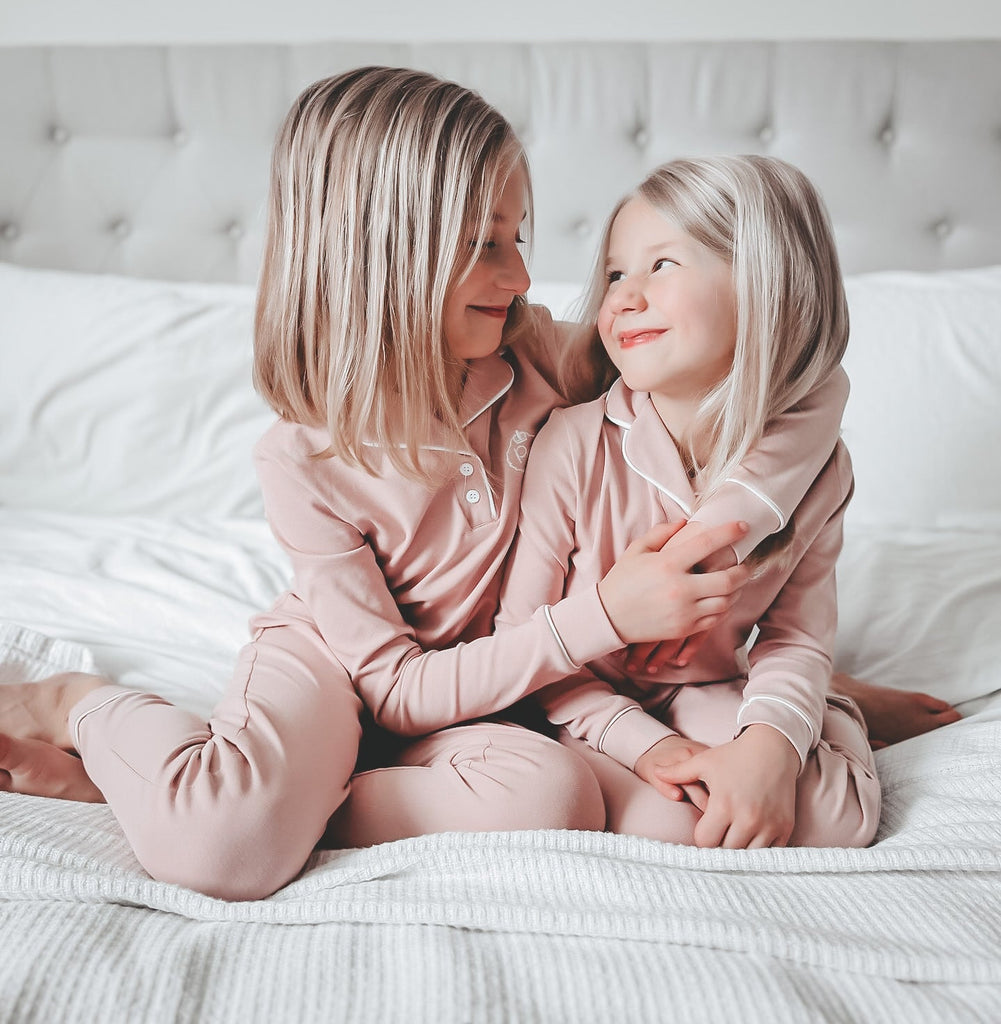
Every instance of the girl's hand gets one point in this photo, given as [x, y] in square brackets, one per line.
[752, 790]
[652, 594]
[652, 657]
[670, 751]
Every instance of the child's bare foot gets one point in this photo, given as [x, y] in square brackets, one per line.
[40, 710]
[41, 769]
[894, 715]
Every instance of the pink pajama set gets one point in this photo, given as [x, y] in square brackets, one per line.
[603, 473]
[395, 587]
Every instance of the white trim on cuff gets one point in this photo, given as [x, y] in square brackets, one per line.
[615, 718]
[547, 611]
[90, 711]
[777, 512]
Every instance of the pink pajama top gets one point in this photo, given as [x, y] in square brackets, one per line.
[602, 474]
[402, 578]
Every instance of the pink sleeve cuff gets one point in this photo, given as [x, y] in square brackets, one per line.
[735, 501]
[630, 733]
[94, 702]
[582, 628]
[781, 714]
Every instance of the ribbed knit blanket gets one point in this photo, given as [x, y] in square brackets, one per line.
[545, 926]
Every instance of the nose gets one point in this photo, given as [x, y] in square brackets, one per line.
[513, 276]
[626, 296]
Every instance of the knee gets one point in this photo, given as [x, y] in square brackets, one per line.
[562, 793]
[228, 858]
[846, 816]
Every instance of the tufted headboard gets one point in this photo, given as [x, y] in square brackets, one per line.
[153, 161]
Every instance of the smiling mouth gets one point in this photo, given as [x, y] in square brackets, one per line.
[497, 312]
[633, 339]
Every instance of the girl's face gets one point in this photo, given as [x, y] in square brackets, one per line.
[477, 308]
[669, 319]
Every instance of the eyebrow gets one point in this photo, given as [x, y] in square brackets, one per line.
[668, 244]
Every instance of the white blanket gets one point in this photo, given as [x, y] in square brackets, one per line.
[526, 926]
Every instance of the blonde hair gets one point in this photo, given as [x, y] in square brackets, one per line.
[380, 178]
[765, 218]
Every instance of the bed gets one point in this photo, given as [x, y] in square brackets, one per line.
[132, 541]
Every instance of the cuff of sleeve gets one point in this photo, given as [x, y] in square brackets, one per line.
[782, 715]
[93, 702]
[582, 628]
[630, 733]
[730, 505]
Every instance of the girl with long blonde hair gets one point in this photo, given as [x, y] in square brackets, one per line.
[718, 298]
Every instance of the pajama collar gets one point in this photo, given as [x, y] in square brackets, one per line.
[647, 446]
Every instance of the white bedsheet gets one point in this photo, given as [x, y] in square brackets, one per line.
[508, 927]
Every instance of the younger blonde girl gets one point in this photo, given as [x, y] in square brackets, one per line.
[718, 298]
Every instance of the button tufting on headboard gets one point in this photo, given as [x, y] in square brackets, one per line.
[893, 133]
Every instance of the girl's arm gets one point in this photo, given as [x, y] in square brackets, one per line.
[790, 662]
[751, 780]
[772, 479]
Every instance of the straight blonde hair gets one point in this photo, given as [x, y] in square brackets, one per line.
[765, 218]
[382, 181]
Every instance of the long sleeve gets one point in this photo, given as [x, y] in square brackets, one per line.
[790, 662]
[773, 478]
[412, 691]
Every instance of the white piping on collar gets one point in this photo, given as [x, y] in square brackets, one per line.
[499, 394]
[683, 505]
[626, 427]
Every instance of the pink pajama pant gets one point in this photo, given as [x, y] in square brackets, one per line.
[837, 794]
[234, 806]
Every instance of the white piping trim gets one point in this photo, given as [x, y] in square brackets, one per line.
[499, 394]
[547, 611]
[424, 448]
[778, 700]
[103, 704]
[649, 479]
[761, 497]
[615, 718]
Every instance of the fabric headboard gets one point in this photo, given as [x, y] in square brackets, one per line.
[153, 161]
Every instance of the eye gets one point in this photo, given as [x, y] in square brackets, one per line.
[663, 262]
[613, 275]
[518, 240]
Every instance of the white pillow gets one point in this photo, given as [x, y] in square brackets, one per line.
[923, 422]
[921, 610]
[122, 395]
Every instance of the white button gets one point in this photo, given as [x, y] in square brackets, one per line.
[943, 228]
[9, 232]
[767, 133]
[180, 137]
[466, 469]
[234, 230]
[581, 228]
[472, 496]
[121, 228]
[641, 137]
[59, 135]
[886, 136]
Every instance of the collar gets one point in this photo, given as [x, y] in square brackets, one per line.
[647, 446]
[487, 380]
